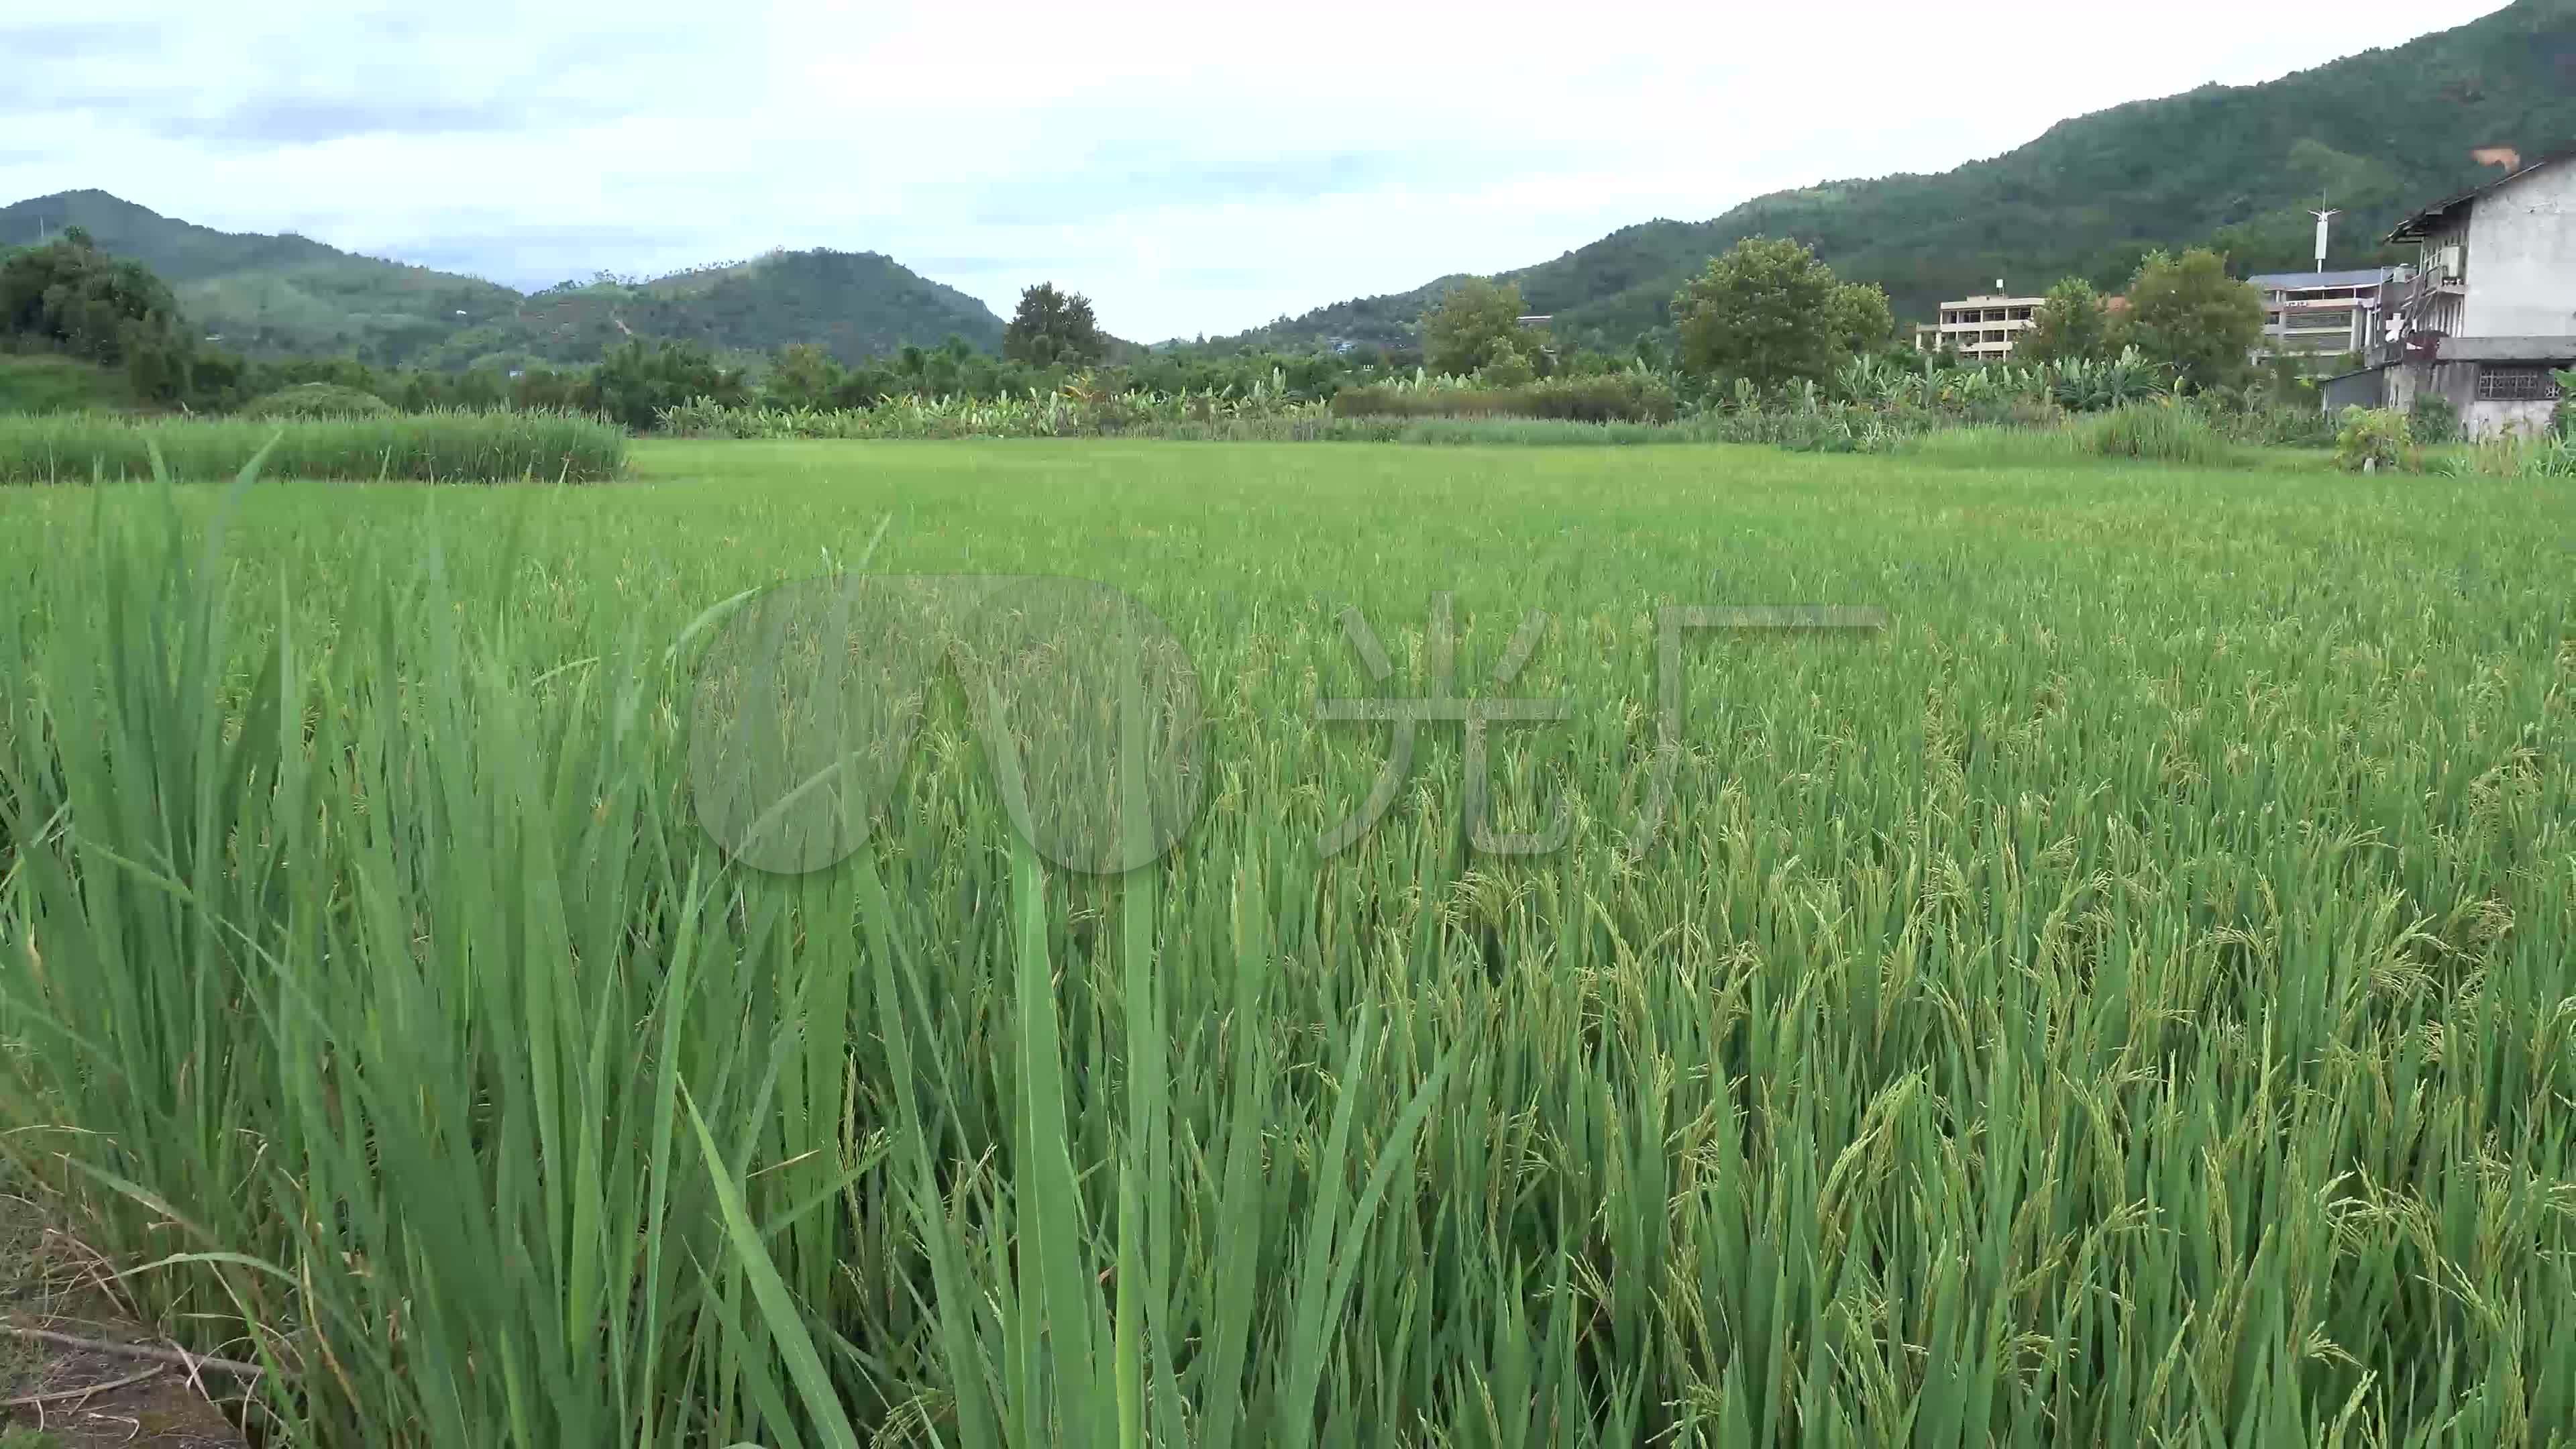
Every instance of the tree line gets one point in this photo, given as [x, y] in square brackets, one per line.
[1768, 313]
[1771, 313]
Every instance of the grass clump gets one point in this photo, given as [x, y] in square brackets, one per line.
[44, 383]
[2157, 432]
[438, 447]
[318, 400]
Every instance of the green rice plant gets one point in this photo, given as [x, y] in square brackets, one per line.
[2125, 1000]
[437, 447]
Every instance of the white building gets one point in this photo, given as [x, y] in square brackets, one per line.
[2489, 311]
[2318, 314]
[1983, 328]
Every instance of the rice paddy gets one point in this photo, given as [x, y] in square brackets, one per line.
[2126, 997]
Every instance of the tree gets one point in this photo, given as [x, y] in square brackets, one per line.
[1474, 325]
[640, 379]
[1767, 311]
[1509, 368]
[1053, 328]
[804, 376]
[2188, 314]
[69, 296]
[2071, 323]
[1862, 320]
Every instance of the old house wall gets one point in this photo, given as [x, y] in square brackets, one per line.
[2521, 258]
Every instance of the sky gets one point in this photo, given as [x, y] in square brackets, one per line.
[1191, 168]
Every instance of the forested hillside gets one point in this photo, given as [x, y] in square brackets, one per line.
[2375, 134]
[289, 295]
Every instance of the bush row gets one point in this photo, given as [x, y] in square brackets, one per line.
[440, 447]
[1616, 398]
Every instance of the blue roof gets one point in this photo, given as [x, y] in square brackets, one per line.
[2292, 281]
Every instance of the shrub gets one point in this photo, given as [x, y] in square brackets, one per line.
[318, 400]
[2434, 420]
[2278, 427]
[442, 447]
[2373, 439]
[1626, 397]
[2163, 432]
[2563, 421]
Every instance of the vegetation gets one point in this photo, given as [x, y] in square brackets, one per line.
[1769, 312]
[2070, 325]
[2232, 168]
[2164, 432]
[1634, 397]
[1052, 328]
[272, 296]
[443, 447]
[318, 400]
[2036, 1023]
[45, 383]
[2373, 440]
[2433, 419]
[2188, 314]
[1476, 329]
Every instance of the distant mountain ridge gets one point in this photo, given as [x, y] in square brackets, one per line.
[272, 295]
[2375, 133]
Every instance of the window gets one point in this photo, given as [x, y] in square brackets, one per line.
[2516, 384]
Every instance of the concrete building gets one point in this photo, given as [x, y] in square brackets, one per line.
[2318, 314]
[2489, 310]
[1982, 328]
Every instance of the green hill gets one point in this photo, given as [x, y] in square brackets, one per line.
[281, 295]
[2375, 133]
[856, 304]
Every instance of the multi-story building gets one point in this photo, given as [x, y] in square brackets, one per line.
[2318, 314]
[1982, 328]
[2488, 313]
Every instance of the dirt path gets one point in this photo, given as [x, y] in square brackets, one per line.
[60, 1397]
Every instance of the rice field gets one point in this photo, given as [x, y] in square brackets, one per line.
[451, 446]
[2125, 998]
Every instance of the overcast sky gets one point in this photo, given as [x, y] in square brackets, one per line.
[1193, 168]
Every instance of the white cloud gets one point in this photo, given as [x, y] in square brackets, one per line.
[1191, 168]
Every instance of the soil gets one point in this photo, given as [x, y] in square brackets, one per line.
[48, 1282]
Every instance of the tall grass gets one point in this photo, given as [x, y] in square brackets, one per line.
[2127, 1001]
[436, 447]
[2161, 433]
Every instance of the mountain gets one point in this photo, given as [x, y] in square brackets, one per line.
[271, 295]
[857, 305]
[2376, 133]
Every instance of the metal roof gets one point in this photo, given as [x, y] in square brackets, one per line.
[2413, 227]
[2293, 281]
